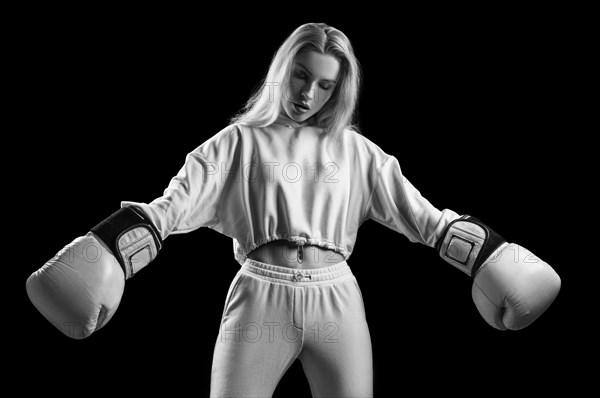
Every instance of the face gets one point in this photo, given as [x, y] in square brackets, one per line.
[312, 80]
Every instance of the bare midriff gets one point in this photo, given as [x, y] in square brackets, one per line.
[284, 253]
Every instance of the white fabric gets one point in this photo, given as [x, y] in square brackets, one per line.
[256, 185]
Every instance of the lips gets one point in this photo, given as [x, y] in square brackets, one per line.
[302, 106]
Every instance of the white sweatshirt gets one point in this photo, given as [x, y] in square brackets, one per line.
[257, 185]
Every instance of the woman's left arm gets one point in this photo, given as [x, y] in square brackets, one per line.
[511, 286]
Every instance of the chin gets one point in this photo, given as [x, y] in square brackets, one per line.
[302, 118]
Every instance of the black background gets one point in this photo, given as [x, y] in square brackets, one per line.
[478, 105]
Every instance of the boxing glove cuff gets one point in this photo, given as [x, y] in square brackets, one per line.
[131, 237]
[467, 243]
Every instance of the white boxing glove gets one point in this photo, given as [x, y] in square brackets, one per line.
[80, 288]
[514, 287]
[511, 287]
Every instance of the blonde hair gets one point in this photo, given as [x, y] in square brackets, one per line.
[339, 112]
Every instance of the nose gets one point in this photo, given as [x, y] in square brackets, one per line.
[307, 92]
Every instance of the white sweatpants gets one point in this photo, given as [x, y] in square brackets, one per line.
[273, 315]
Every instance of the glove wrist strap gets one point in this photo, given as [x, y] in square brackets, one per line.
[467, 243]
[131, 237]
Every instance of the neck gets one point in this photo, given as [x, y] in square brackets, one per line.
[285, 120]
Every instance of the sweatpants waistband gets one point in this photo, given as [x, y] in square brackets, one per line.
[297, 276]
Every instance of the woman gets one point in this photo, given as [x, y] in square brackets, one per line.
[291, 180]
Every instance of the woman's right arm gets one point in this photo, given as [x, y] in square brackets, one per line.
[190, 200]
[80, 288]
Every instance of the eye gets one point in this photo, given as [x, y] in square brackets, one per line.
[326, 87]
[300, 75]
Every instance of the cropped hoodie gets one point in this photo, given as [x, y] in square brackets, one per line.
[259, 184]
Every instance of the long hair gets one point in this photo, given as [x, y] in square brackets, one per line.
[339, 112]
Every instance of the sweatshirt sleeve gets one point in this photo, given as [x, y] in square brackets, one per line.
[191, 199]
[397, 204]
